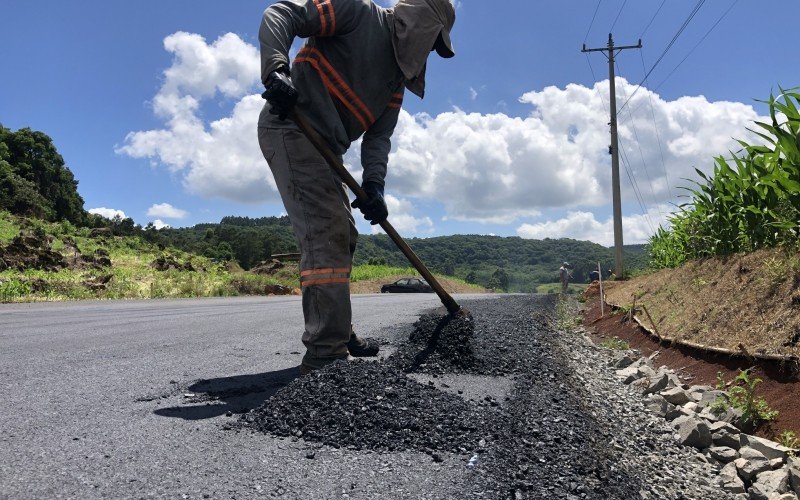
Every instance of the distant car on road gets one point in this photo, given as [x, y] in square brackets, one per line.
[407, 285]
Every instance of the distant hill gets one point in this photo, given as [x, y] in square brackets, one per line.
[508, 263]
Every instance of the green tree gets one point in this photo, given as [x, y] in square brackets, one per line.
[32, 156]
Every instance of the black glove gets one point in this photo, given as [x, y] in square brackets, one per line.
[280, 93]
[374, 208]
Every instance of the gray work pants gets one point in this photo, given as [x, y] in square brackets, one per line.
[319, 210]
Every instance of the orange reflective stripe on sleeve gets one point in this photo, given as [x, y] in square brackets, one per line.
[396, 102]
[327, 17]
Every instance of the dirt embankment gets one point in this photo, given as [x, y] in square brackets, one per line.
[745, 303]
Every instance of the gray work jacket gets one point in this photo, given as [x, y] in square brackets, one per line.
[347, 77]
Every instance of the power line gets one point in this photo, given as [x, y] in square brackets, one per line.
[658, 135]
[635, 186]
[677, 35]
[713, 27]
[641, 154]
[611, 30]
[653, 18]
[592, 22]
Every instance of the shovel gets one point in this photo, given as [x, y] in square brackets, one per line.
[452, 307]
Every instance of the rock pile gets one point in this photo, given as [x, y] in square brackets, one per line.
[749, 467]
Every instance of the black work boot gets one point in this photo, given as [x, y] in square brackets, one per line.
[362, 348]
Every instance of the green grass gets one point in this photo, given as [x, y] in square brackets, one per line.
[371, 272]
[615, 344]
[134, 278]
[8, 228]
[573, 289]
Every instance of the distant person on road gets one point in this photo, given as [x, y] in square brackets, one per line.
[565, 275]
[348, 80]
[594, 276]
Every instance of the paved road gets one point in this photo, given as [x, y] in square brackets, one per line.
[94, 403]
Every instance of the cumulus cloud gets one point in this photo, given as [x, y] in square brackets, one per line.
[481, 167]
[166, 211]
[401, 215]
[108, 213]
[217, 159]
[581, 225]
[159, 224]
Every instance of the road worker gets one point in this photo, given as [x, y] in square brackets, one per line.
[564, 275]
[348, 80]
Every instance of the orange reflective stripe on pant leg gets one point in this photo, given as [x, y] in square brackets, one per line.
[329, 270]
[326, 281]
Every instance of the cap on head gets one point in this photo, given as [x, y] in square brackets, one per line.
[565, 264]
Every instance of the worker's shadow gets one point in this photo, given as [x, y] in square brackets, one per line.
[237, 394]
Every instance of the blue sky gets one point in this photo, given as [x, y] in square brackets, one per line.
[515, 137]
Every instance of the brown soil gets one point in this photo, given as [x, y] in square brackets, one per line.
[780, 386]
[752, 300]
[374, 286]
[29, 251]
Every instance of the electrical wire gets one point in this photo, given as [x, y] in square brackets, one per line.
[658, 135]
[592, 22]
[653, 18]
[641, 152]
[611, 30]
[710, 30]
[677, 35]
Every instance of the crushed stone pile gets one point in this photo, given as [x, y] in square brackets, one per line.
[368, 405]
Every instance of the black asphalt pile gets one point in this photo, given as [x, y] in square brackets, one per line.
[443, 344]
[368, 405]
[494, 340]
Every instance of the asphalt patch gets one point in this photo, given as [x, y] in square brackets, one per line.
[373, 406]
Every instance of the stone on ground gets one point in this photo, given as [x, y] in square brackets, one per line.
[694, 432]
[730, 481]
[769, 449]
[751, 463]
[723, 454]
[676, 396]
[770, 484]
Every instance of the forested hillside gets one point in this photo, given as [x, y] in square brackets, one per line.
[512, 264]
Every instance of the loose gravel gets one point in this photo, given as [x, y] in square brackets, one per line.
[568, 429]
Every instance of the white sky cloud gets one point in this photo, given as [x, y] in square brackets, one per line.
[166, 211]
[585, 226]
[481, 167]
[159, 224]
[108, 213]
[402, 216]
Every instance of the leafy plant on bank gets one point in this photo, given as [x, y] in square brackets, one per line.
[751, 201]
[742, 396]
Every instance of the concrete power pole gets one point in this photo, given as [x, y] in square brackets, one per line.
[610, 52]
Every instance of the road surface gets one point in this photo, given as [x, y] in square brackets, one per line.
[94, 402]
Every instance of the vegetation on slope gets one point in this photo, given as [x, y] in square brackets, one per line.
[751, 201]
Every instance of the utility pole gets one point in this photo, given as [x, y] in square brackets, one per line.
[610, 52]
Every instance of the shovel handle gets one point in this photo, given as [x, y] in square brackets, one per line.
[335, 163]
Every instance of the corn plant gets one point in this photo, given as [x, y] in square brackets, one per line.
[751, 201]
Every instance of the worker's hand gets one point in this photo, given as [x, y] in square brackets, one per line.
[280, 93]
[374, 208]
